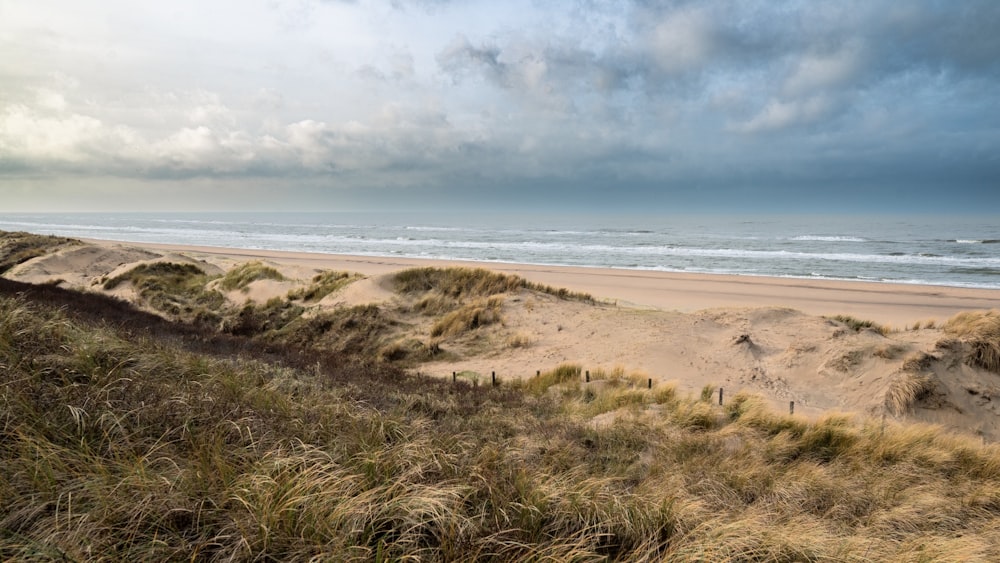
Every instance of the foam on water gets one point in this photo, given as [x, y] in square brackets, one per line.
[959, 251]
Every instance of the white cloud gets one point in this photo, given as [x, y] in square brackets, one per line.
[46, 139]
[784, 114]
[682, 41]
[819, 72]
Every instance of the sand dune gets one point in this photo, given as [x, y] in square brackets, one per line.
[766, 335]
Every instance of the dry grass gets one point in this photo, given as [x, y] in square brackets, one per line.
[462, 283]
[126, 447]
[979, 331]
[469, 317]
[323, 284]
[519, 340]
[541, 383]
[177, 290]
[17, 248]
[243, 275]
[124, 437]
[905, 390]
[858, 325]
[889, 351]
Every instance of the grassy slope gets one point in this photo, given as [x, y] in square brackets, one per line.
[125, 437]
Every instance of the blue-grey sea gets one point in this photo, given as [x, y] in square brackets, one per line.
[959, 251]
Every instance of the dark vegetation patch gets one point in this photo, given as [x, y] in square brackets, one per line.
[19, 247]
[177, 290]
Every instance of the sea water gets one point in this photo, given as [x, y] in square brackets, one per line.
[959, 251]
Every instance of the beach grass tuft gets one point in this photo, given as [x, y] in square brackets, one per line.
[979, 331]
[471, 316]
[323, 284]
[905, 390]
[857, 325]
[243, 275]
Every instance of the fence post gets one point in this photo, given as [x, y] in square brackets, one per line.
[454, 377]
[791, 407]
[538, 373]
[649, 384]
[494, 376]
[588, 376]
[720, 396]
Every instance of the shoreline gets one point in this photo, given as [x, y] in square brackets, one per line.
[887, 303]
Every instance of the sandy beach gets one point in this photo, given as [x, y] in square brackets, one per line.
[890, 304]
[769, 336]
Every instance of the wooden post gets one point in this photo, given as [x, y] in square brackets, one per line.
[720, 396]
[494, 376]
[454, 377]
[791, 407]
[649, 384]
[588, 376]
[538, 373]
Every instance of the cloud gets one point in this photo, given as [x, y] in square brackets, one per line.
[682, 41]
[440, 93]
[780, 114]
[818, 72]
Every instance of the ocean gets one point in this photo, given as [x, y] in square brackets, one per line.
[962, 251]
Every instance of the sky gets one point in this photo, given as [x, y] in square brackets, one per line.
[674, 106]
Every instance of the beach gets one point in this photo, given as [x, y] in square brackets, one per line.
[887, 303]
[823, 345]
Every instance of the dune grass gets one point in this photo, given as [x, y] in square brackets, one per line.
[243, 275]
[123, 444]
[19, 247]
[905, 389]
[471, 316]
[857, 325]
[980, 332]
[323, 284]
[172, 288]
[461, 283]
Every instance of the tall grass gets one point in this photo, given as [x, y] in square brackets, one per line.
[980, 332]
[471, 316]
[119, 442]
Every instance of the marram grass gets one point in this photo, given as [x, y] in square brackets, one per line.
[139, 447]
